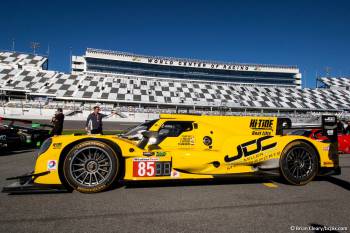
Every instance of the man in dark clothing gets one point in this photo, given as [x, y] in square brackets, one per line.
[94, 121]
[57, 122]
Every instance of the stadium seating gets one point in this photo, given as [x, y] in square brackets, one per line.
[342, 83]
[167, 92]
[22, 60]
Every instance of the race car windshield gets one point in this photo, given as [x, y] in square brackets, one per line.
[174, 128]
[168, 129]
[136, 132]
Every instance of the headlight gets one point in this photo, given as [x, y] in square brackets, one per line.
[152, 141]
[46, 145]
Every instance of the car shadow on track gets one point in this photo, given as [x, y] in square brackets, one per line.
[204, 182]
[336, 181]
[39, 193]
[168, 183]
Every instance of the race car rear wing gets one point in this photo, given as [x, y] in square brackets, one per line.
[329, 127]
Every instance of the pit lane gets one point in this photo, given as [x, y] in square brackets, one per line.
[239, 205]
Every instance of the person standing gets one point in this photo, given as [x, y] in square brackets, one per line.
[57, 121]
[94, 121]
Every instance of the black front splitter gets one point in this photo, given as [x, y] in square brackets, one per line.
[17, 188]
[26, 184]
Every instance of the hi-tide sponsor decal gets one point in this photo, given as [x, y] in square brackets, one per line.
[261, 127]
[150, 167]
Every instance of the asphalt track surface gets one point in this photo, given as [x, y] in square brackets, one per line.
[239, 205]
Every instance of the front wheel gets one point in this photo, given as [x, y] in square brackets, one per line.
[299, 163]
[91, 167]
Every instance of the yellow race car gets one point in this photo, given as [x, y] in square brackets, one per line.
[181, 147]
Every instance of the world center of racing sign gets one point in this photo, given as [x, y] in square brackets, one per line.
[199, 64]
[181, 62]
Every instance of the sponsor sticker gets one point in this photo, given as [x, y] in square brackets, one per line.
[261, 124]
[261, 133]
[245, 151]
[187, 140]
[328, 163]
[330, 132]
[146, 159]
[148, 153]
[175, 174]
[57, 145]
[161, 153]
[330, 119]
[52, 165]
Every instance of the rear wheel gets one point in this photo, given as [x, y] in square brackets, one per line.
[299, 163]
[91, 167]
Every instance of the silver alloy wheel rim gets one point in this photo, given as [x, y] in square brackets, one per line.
[90, 166]
[299, 163]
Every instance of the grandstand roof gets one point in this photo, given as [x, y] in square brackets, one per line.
[90, 51]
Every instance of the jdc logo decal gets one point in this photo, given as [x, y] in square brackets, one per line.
[242, 149]
[261, 124]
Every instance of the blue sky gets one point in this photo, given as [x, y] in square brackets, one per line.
[310, 34]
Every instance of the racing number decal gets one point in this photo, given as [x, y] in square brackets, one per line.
[242, 149]
[144, 168]
[151, 168]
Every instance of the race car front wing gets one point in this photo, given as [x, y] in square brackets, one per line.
[26, 184]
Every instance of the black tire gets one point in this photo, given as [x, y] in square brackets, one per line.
[91, 167]
[299, 163]
[23, 138]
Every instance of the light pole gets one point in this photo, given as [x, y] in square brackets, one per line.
[34, 46]
[13, 44]
[70, 58]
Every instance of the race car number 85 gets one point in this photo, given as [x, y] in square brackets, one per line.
[145, 169]
[151, 168]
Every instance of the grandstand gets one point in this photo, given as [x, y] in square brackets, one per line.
[28, 87]
[107, 62]
[340, 83]
[21, 60]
